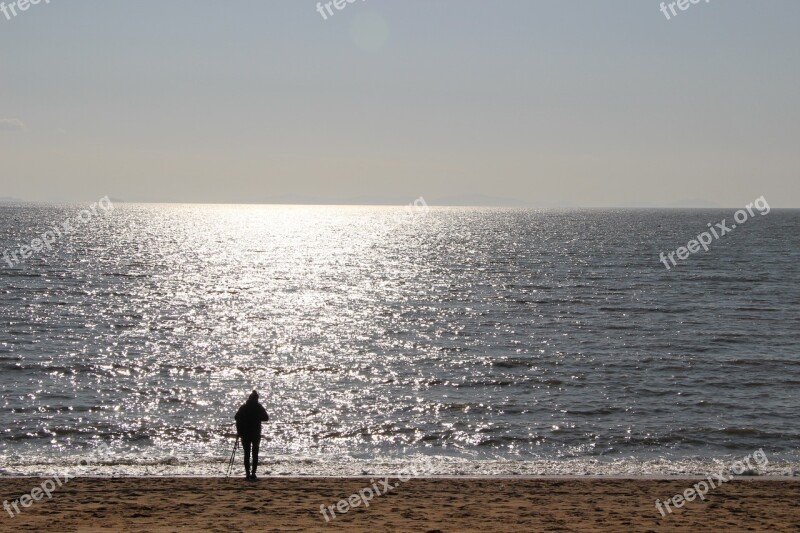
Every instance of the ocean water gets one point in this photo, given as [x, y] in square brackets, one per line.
[444, 340]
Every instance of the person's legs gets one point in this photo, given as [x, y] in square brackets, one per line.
[256, 444]
[246, 446]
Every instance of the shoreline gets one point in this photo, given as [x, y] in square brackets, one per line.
[471, 477]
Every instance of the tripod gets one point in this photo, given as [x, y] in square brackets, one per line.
[233, 455]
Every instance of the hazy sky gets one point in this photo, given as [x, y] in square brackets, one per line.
[579, 102]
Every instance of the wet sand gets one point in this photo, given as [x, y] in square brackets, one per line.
[425, 505]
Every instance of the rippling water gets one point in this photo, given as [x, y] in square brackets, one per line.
[458, 340]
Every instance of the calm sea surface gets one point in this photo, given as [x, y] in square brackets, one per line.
[452, 340]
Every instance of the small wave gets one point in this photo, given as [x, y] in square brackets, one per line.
[304, 369]
[514, 363]
[418, 465]
[745, 432]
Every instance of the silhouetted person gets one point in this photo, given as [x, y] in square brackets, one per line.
[248, 426]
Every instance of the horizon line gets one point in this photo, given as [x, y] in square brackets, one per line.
[12, 201]
[294, 204]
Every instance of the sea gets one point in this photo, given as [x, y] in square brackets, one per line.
[452, 341]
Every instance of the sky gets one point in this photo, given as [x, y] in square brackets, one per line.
[579, 103]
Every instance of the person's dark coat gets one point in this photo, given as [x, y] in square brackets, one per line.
[249, 418]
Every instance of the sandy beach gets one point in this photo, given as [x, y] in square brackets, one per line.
[426, 505]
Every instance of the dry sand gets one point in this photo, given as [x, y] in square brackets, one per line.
[426, 505]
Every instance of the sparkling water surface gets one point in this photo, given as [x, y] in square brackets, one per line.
[447, 340]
